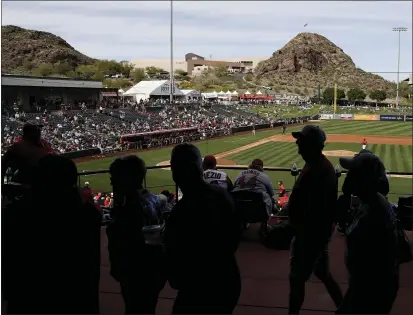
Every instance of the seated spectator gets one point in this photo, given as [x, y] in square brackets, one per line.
[47, 255]
[201, 256]
[23, 156]
[254, 179]
[372, 246]
[281, 188]
[213, 176]
[134, 264]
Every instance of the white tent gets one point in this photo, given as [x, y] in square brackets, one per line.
[247, 93]
[210, 95]
[259, 93]
[191, 94]
[221, 93]
[145, 89]
[228, 92]
[235, 93]
[120, 91]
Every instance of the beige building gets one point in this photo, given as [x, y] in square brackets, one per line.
[195, 64]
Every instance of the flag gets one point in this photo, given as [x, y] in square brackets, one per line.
[335, 98]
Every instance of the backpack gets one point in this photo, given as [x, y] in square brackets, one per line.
[279, 237]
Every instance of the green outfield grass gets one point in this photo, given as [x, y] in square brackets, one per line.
[282, 154]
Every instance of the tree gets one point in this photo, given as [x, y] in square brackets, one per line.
[62, 68]
[86, 71]
[220, 70]
[248, 77]
[306, 92]
[328, 95]
[378, 95]
[297, 91]
[356, 94]
[186, 85]
[153, 71]
[43, 70]
[138, 75]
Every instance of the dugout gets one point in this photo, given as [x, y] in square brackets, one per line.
[26, 91]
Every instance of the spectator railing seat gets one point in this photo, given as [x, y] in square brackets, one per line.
[251, 208]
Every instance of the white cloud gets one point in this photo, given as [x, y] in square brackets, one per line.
[129, 30]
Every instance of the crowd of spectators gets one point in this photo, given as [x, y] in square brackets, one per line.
[68, 131]
[150, 244]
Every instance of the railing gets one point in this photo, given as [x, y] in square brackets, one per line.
[293, 171]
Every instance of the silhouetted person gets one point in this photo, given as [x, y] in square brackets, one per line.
[24, 155]
[344, 201]
[201, 238]
[52, 248]
[313, 218]
[134, 264]
[372, 246]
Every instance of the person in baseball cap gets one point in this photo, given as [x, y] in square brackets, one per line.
[310, 138]
[366, 174]
[312, 218]
[372, 258]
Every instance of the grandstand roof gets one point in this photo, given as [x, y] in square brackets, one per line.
[12, 80]
[156, 88]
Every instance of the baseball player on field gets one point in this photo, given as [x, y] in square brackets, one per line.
[364, 144]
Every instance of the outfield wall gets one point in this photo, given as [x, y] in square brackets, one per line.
[365, 117]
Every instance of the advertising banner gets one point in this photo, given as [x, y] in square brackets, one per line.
[392, 117]
[326, 116]
[365, 117]
[346, 116]
[408, 118]
[336, 116]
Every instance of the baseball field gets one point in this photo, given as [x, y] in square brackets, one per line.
[391, 141]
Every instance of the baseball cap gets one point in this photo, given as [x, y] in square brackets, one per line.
[311, 133]
[210, 160]
[366, 162]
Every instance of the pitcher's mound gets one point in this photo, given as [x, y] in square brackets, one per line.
[339, 153]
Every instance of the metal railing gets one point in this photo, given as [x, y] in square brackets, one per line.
[294, 171]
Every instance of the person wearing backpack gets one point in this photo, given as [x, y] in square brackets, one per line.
[372, 247]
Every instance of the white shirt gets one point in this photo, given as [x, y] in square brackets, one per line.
[215, 177]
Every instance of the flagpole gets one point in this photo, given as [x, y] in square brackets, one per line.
[171, 74]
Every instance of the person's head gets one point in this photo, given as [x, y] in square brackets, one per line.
[280, 183]
[257, 164]
[366, 175]
[86, 184]
[186, 165]
[31, 133]
[310, 142]
[55, 173]
[127, 173]
[209, 163]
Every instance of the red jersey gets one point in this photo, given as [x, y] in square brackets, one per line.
[364, 142]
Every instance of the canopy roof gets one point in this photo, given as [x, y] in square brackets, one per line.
[259, 93]
[247, 93]
[157, 88]
[191, 92]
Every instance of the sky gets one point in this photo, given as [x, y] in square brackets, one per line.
[224, 29]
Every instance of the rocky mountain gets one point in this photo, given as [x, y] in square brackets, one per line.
[23, 50]
[310, 60]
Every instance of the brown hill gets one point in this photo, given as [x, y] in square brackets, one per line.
[23, 49]
[310, 60]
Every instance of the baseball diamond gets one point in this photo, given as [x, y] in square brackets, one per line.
[391, 141]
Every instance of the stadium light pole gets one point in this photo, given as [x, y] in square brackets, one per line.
[399, 30]
[171, 41]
